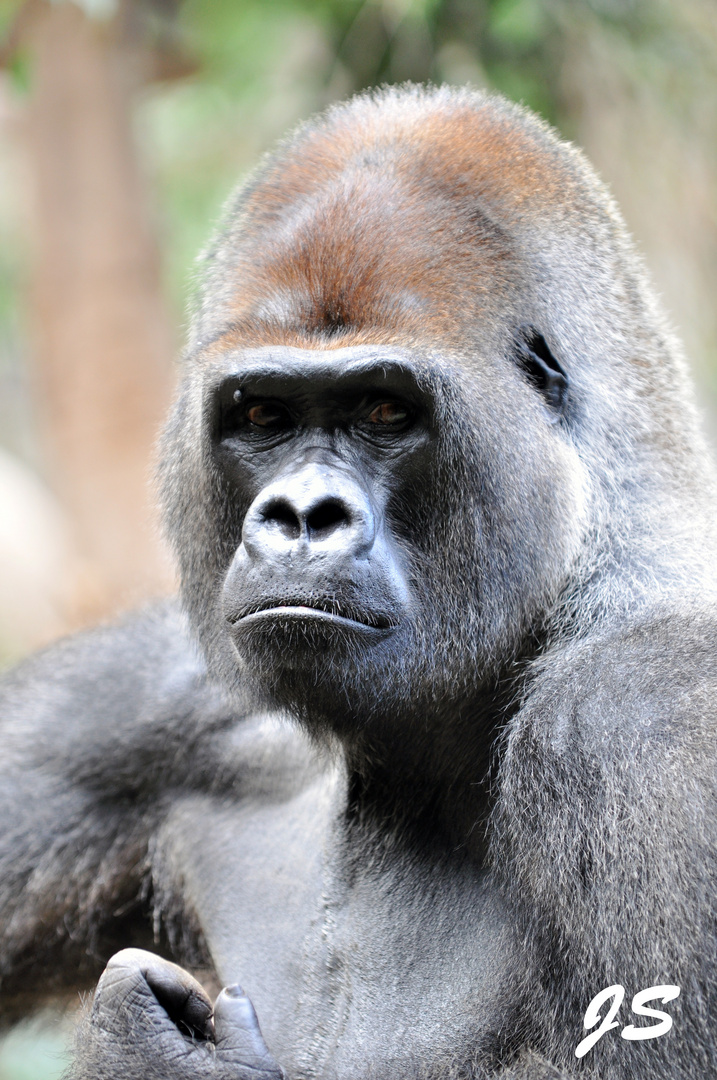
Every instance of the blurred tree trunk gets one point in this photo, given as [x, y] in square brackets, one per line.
[102, 340]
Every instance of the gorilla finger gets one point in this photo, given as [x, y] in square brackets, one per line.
[238, 1037]
[183, 999]
[141, 991]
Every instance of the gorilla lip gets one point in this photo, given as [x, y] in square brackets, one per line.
[379, 624]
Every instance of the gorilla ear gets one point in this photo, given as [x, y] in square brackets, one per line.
[542, 369]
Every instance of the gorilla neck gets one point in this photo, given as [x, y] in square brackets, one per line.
[422, 773]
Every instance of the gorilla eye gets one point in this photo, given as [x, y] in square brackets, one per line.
[268, 415]
[542, 369]
[388, 412]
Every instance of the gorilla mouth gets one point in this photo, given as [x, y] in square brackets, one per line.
[317, 612]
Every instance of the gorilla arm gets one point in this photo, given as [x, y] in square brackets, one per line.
[604, 836]
[96, 733]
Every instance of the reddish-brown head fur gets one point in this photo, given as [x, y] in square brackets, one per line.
[395, 217]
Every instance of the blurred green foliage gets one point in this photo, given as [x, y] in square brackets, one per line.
[36, 1050]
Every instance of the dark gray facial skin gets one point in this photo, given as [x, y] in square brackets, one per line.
[426, 758]
[317, 451]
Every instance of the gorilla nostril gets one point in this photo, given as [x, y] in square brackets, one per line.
[281, 515]
[326, 517]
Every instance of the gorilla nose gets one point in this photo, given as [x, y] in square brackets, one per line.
[317, 508]
[317, 523]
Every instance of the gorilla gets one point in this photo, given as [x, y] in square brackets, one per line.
[422, 771]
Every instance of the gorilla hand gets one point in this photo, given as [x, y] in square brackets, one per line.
[150, 1018]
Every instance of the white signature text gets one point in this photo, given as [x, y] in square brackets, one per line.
[639, 1007]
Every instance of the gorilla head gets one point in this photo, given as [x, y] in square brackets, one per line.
[410, 445]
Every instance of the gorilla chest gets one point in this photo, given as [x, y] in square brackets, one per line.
[395, 964]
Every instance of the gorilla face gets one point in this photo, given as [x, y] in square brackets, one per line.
[321, 449]
[371, 519]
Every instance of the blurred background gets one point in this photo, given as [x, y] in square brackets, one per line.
[124, 125]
